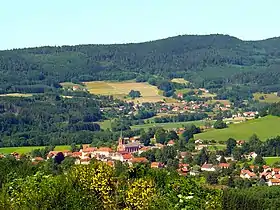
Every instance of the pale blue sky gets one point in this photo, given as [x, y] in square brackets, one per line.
[32, 23]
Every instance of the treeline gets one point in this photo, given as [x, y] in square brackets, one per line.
[212, 61]
[59, 184]
[181, 118]
[254, 198]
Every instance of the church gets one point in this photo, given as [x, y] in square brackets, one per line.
[128, 147]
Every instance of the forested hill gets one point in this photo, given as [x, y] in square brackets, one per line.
[212, 61]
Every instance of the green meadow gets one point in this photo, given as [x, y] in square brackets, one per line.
[25, 150]
[264, 128]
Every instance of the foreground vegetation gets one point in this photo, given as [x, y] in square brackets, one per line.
[99, 186]
[265, 128]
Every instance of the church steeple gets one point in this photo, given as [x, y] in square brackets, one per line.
[121, 143]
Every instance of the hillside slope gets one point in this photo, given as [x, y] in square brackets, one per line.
[212, 61]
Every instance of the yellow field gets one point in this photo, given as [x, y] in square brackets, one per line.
[17, 95]
[148, 92]
[180, 80]
[268, 98]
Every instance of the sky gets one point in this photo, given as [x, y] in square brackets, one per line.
[32, 23]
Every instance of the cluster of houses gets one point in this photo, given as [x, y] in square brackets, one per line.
[183, 107]
[124, 153]
[271, 175]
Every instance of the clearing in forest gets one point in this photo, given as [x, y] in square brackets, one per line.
[268, 98]
[148, 92]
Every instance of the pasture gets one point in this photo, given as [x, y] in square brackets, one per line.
[148, 92]
[264, 128]
[25, 150]
[268, 98]
[168, 125]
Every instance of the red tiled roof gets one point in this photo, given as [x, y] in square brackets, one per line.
[207, 166]
[144, 149]
[127, 156]
[139, 160]
[277, 176]
[276, 170]
[156, 164]
[274, 180]
[171, 142]
[76, 154]
[89, 149]
[265, 167]
[104, 149]
[38, 159]
[251, 174]
[183, 165]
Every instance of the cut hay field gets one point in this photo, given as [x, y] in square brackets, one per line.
[180, 80]
[148, 92]
[268, 98]
[25, 150]
[265, 128]
[168, 125]
[17, 94]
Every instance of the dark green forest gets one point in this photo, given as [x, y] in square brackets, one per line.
[220, 63]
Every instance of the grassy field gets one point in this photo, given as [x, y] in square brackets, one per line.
[180, 80]
[268, 98]
[148, 92]
[17, 94]
[271, 160]
[264, 127]
[167, 125]
[105, 124]
[25, 150]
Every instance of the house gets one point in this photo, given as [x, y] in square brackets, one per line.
[88, 152]
[253, 155]
[275, 171]
[143, 149]
[126, 157]
[157, 165]
[240, 142]
[37, 159]
[170, 143]
[224, 165]
[183, 167]
[266, 175]
[77, 154]
[103, 151]
[207, 167]
[198, 141]
[250, 114]
[139, 160]
[52, 154]
[247, 174]
[180, 95]
[273, 182]
[266, 168]
[194, 173]
[75, 87]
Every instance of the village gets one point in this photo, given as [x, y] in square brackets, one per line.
[130, 151]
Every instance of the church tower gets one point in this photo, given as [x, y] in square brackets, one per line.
[121, 146]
